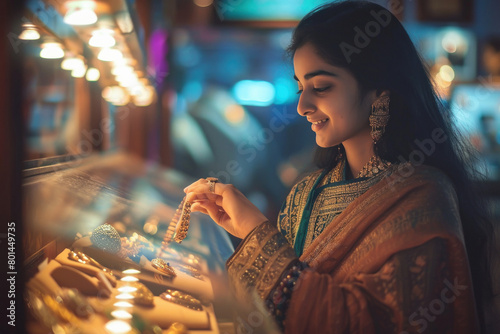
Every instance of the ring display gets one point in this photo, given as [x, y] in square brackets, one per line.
[163, 267]
[142, 295]
[182, 298]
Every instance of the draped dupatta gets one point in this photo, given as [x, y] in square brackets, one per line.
[393, 261]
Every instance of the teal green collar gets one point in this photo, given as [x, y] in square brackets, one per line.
[311, 198]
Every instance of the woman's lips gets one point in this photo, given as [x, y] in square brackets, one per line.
[318, 125]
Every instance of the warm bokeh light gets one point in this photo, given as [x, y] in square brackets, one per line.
[447, 73]
[136, 89]
[79, 72]
[452, 41]
[131, 272]
[121, 314]
[102, 38]
[93, 74]
[288, 173]
[117, 327]
[124, 296]
[127, 289]
[51, 50]
[70, 63]
[127, 79]
[146, 98]
[129, 279]
[123, 304]
[119, 97]
[234, 113]
[203, 3]
[150, 228]
[80, 13]
[107, 54]
[29, 33]
[122, 69]
[124, 61]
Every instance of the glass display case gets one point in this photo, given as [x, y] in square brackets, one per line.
[96, 255]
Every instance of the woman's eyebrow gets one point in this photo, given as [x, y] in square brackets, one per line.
[316, 73]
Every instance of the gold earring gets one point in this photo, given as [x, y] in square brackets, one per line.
[379, 117]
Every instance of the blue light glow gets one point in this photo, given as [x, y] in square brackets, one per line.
[265, 10]
[254, 93]
[192, 91]
[285, 91]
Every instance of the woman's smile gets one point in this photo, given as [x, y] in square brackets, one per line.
[318, 124]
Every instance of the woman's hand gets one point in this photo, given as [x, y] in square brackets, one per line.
[227, 206]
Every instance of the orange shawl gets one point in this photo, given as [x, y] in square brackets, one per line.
[393, 262]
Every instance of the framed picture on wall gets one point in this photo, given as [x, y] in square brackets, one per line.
[445, 10]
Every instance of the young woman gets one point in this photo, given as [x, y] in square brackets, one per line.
[388, 235]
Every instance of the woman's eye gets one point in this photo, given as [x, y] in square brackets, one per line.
[321, 89]
[299, 91]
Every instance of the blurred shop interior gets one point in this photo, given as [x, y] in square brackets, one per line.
[124, 103]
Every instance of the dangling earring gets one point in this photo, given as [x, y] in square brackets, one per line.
[379, 117]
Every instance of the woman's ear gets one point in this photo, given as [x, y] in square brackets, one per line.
[375, 94]
[381, 93]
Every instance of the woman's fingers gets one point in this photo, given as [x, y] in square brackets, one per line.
[203, 186]
[194, 184]
[226, 205]
[209, 208]
[201, 191]
[198, 206]
[196, 196]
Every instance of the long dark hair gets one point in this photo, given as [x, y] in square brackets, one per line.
[367, 40]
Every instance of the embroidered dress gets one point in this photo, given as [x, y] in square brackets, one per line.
[316, 201]
[378, 255]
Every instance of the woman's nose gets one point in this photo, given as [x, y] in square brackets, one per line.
[305, 105]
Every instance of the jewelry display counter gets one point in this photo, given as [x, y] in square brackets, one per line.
[94, 256]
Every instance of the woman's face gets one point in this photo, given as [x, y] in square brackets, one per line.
[331, 100]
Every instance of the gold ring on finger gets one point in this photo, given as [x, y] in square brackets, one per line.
[211, 183]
